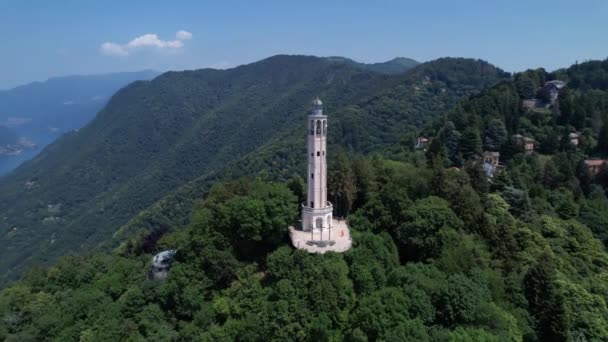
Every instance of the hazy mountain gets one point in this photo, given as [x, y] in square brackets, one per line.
[155, 136]
[42, 111]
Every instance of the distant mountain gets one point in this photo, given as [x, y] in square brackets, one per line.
[154, 137]
[42, 111]
[394, 66]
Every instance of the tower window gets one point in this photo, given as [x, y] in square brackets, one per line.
[312, 204]
[323, 152]
[312, 176]
[318, 127]
[312, 154]
[318, 153]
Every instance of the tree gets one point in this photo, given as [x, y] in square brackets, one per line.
[381, 312]
[479, 178]
[495, 135]
[255, 223]
[436, 150]
[526, 88]
[518, 200]
[365, 181]
[450, 138]
[463, 199]
[458, 300]
[602, 142]
[567, 208]
[298, 187]
[419, 234]
[342, 187]
[551, 177]
[545, 302]
[470, 143]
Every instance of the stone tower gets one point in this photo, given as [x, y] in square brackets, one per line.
[317, 211]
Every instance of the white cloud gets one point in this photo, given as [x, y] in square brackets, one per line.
[143, 41]
[113, 49]
[183, 35]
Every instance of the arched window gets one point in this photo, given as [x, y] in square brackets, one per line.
[318, 127]
[319, 223]
[312, 127]
[324, 127]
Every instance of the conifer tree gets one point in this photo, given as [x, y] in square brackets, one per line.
[545, 302]
[470, 143]
[342, 185]
[602, 142]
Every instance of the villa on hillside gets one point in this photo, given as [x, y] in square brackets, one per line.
[553, 88]
[421, 142]
[595, 165]
[550, 92]
[491, 161]
[527, 144]
[532, 103]
[574, 138]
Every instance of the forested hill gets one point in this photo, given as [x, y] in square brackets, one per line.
[155, 136]
[442, 251]
[568, 130]
[394, 66]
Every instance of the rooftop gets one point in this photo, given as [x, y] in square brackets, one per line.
[595, 162]
[163, 258]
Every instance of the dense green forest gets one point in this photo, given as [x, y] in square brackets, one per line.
[441, 252]
[189, 129]
[435, 258]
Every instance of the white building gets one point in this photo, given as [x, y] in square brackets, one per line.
[317, 211]
[161, 263]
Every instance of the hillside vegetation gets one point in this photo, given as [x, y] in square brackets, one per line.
[433, 260]
[441, 251]
[156, 136]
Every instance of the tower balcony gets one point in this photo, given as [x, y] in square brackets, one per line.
[329, 208]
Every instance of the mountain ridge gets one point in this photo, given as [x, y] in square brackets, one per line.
[154, 136]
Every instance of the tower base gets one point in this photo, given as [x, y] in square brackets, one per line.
[317, 218]
[334, 239]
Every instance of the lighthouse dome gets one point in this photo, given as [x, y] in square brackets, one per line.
[317, 107]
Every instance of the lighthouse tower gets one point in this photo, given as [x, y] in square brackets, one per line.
[317, 211]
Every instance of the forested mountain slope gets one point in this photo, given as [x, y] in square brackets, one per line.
[396, 65]
[441, 251]
[370, 124]
[154, 136]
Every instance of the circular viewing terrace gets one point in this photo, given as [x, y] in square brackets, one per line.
[336, 238]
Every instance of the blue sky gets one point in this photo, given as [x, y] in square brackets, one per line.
[41, 39]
